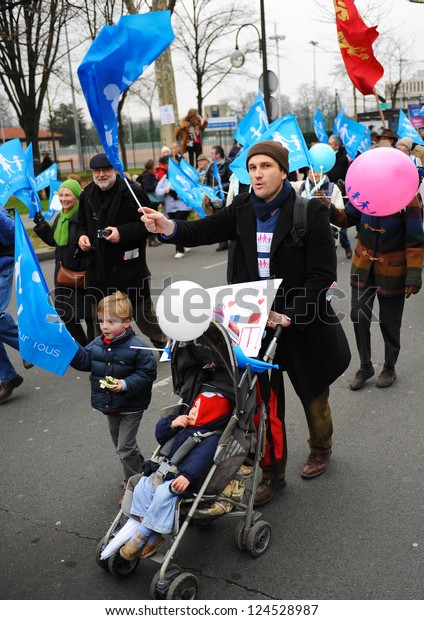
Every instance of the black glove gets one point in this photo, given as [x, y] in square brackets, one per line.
[173, 193]
[38, 218]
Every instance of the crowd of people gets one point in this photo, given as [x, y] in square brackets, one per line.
[101, 234]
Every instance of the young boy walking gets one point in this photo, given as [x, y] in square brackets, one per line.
[121, 378]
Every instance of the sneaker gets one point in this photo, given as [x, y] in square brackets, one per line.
[179, 255]
[7, 387]
[361, 376]
[187, 250]
[387, 377]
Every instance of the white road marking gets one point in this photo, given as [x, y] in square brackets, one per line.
[215, 265]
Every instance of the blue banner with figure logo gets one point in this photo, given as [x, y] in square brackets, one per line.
[338, 122]
[253, 124]
[28, 195]
[407, 130]
[186, 189]
[189, 170]
[12, 169]
[351, 134]
[319, 127]
[43, 338]
[286, 131]
[116, 58]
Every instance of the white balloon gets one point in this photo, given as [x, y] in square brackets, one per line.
[184, 310]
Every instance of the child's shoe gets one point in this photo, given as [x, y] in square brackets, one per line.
[151, 546]
[132, 548]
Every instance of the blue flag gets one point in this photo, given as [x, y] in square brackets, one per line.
[217, 177]
[338, 122]
[407, 130]
[189, 170]
[286, 131]
[54, 202]
[319, 127]
[186, 189]
[211, 192]
[253, 124]
[44, 178]
[116, 58]
[366, 142]
[351, 134]
[43, 338]
[12, 169]
[28, 195]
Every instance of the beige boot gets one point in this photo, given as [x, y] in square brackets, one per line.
[133, 547]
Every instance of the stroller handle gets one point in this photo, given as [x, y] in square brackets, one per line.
[270, 351]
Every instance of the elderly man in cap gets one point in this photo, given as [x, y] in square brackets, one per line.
[387, 138]
[109, 228]
[313, 348]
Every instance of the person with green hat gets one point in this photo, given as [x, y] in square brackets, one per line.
[69, 299]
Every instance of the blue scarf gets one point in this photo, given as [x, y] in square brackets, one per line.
[264, 209]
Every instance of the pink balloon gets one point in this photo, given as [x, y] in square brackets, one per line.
[382, 181]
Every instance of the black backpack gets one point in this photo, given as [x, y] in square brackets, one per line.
[300, 221]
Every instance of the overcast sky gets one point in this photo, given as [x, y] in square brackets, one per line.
[301, 21]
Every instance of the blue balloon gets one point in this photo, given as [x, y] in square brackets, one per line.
[322, 157]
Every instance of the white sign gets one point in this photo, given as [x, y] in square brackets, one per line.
[243, 310]
[167, 116]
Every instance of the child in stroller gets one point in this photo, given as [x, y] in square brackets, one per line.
[155, 496]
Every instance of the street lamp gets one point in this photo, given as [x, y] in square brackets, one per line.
[314, 44]
[237, 57]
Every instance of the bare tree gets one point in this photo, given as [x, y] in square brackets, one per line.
[200, 33]
[30, 32]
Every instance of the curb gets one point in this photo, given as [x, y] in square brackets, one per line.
[44, 254]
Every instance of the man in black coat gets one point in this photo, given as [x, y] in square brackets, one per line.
[109, 228]
[313, 348]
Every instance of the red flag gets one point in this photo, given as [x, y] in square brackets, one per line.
[355, 41]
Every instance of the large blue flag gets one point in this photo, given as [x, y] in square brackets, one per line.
[116, 58]
[211, 192]
[28, 195]
[407, 130]
[44, 178]
[286, 131]
[12, 169]
[189, 170]
[351, 134]
[43, 338]
[186, 189]
[253, 124]
[319, 127]
[338, 122]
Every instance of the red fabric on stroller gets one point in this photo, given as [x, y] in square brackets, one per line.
[273, 426]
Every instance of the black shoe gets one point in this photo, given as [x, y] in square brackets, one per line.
[221, 248]
[27, 365]
[387, 377]
[7, 387]
[361, 376]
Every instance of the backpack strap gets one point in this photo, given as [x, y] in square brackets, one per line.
[300, 224]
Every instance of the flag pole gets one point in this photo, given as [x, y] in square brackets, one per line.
[383, 120]
[133, 195]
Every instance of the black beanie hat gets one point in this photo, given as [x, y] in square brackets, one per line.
[272, 149]
[100, 161]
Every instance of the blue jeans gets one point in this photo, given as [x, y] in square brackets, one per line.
[8, 327]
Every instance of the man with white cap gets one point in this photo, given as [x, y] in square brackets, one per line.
[313, 348]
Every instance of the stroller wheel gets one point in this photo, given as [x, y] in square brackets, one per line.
[159, 593]
[239, 532]
[121, 568]
[258, 538]
[100, 546]
[183, 588]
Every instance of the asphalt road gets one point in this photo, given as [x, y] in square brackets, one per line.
[354, 533]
